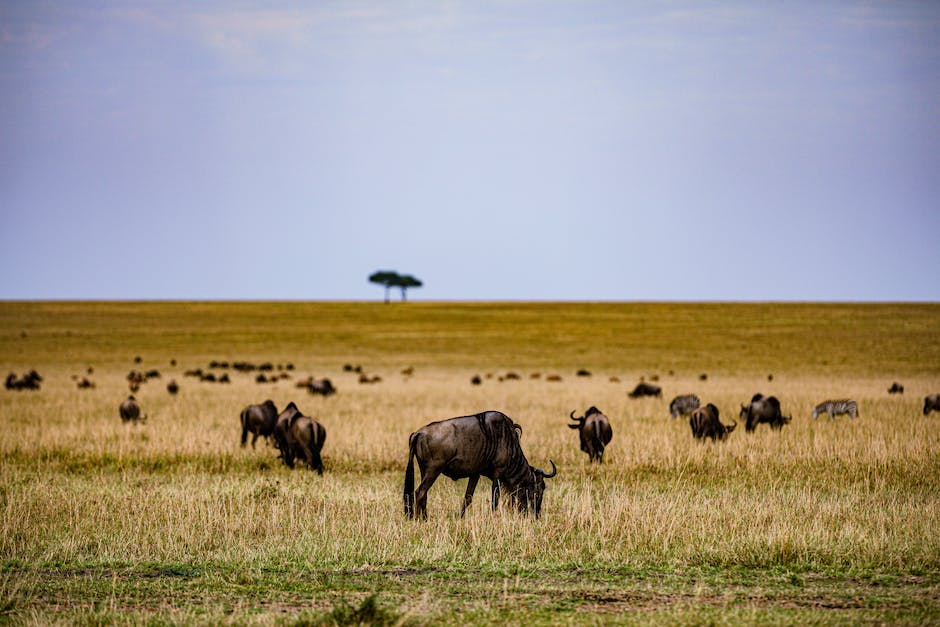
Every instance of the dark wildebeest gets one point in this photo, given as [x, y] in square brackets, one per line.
[323, 387]
[705, 424]
[305, 438]
[281, 427]
[684, 405]
[595, 432]
[834, 408]
[896, 388]
[485, 444]
[130, 410]
[645, 389]
[29, 381]
[931, 403]
[763, 410]
[172, 387]
[259, 420]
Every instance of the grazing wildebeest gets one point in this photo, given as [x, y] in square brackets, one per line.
[323, 387]
[29, 381]
[645, 389]
[259, 420]
[834, 408]
[485, 444]
[130, 410]
[476, 380]
[305, 438]
[763, 410]
[172, 387]
[684, 405]
[931, 403]
[705, 424]
[595, 433]
[85, 384]
[896, 388]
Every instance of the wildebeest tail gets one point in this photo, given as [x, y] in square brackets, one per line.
[410, 478]
[598, 440]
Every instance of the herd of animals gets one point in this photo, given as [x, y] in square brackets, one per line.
[485, 444]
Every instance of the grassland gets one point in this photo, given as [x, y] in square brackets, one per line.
[832, 522]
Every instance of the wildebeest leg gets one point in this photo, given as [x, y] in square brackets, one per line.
[428, 477]
[468, 497]
[253, 440]
[244, 433]
[494, 495]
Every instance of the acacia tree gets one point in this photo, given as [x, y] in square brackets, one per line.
[390, 278]
[385, 278]
[405, 281]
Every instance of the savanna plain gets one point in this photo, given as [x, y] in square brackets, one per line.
[172, 522]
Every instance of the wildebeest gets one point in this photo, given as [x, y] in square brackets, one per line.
[684, 405]
[305, 438]
[172, 387]
[931, 403]
[29, 381]
[130, 410]
[299, 438]
[259, 420]
[705, 424]
[896, 388]
[484, 444]
[595, 433]
[85, 384]
[834, 408]
[645, 389]
[323, 387]
[763, 409]
[476, 380]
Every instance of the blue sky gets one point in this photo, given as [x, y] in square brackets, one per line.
[495, 150]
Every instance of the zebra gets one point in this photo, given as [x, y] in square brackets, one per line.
[684, 405]
[834, 408]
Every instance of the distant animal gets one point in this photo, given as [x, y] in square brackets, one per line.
[366, 379]
[896, 388]
[703, 376]
[684, 405]
[484, 444]
[834, 408]
[410, 370]
[130, 410]
[305, 438]
[324, 387]
[705, 424]
[583, 373]
[763, 409]
[476, 380]
[595, 433]
[29, 381]
[172, 387]
[85, 384]
[931, 403]
[259, 420]
[645, 389]
[554, 378]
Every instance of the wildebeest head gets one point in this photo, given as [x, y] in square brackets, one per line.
[534, 489]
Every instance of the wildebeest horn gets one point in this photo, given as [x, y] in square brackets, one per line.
[547, 476]
[572, 415]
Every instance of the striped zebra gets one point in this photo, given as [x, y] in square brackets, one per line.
[834, 408]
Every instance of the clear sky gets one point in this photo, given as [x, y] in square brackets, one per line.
[607, 150]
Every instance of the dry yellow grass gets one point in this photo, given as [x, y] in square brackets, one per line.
[83, 493]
